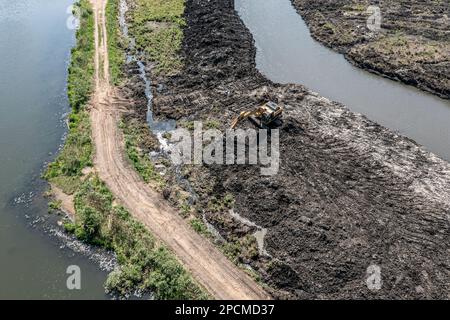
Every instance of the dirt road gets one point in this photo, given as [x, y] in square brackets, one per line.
[207, 264]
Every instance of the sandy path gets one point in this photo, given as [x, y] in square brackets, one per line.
[206, 263]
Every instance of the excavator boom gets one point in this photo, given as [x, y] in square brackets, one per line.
[267, 114]
[244, 115]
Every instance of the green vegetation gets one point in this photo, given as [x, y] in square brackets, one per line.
[212, 124]
[144, 263]
[157, 26]
[356, 7]
[116, 52]
[65, 171]
[241, 247]
[220, 205]
[81, 69]
[404, 49]
[135, 136]
[329, 27]
[54, 205]
[199, 227]
[189, 125]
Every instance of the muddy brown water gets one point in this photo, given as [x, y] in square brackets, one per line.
[34, 53]
[286, 53]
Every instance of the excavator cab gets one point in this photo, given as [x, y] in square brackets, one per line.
[265, 116]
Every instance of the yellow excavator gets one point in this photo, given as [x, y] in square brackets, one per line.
[267, 115]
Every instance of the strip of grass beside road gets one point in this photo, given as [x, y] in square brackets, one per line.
[157, 26]
[116, 52]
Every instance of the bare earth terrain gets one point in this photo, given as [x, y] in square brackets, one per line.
[208, 266]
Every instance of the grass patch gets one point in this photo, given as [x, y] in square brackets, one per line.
[135, 135]
[212, 124]
[65, 171]
[199, 227]
[116, 52]
[219, 205]
[189, 125]
[240, 247]
[144, 263]
[81, 69]
[157, 26]
[329, 27]
[406, 50]
[54, 205]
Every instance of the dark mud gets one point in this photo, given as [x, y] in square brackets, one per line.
[349, 193]
[413, 45]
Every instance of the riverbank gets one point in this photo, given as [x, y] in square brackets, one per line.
[350, 193]
[67, 170]
[411, 46]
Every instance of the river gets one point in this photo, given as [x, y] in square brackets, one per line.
[34, 53]
[286, 53]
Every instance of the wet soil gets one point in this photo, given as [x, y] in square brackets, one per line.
[349, 194]
[412, 46]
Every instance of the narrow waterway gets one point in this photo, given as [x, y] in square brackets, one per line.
[286, 53]
[35, 48]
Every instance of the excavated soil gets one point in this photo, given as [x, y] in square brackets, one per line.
[413, 45]
[349, 193]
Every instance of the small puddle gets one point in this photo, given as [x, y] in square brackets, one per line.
[260, 233]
